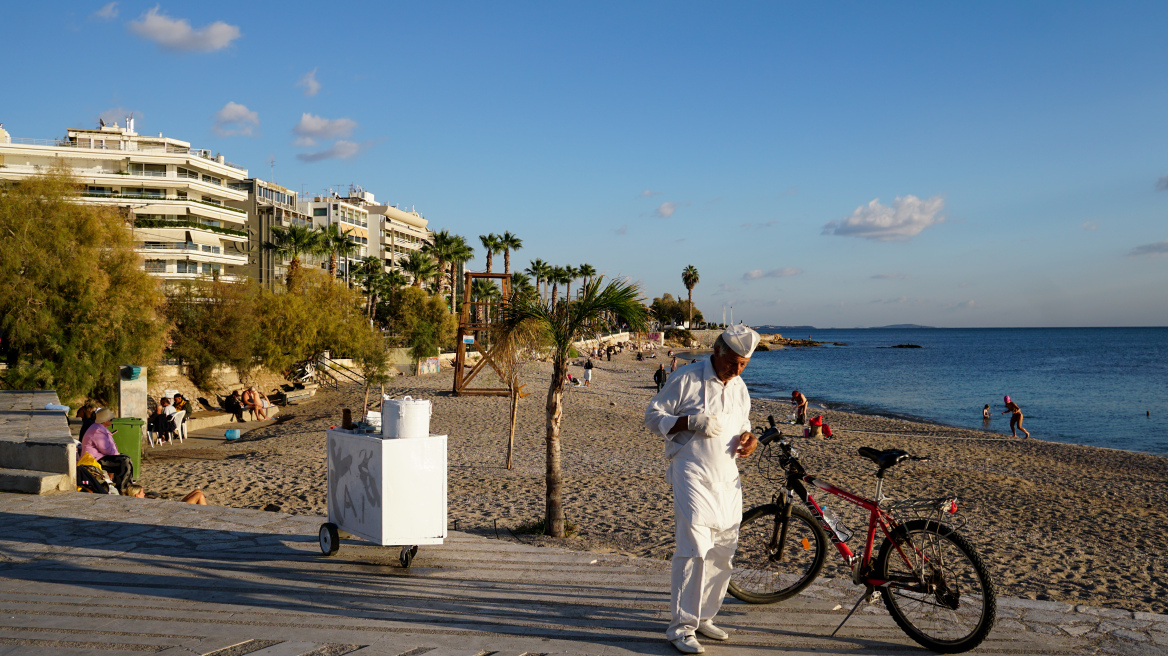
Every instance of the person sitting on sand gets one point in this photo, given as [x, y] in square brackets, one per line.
[1015, 417]
[196, 496]
[800, 402]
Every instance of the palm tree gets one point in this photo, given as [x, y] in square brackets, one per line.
[572, 273]
[369, 272]
[420, 266]
[556, 275]
[492, 245]
[562, 324]
[586, 272]
[509, 242]
[539, 270]
[460, 252]
[690, 278]
[438, 249]
[521, 286]
[335, 243]
[292, 242]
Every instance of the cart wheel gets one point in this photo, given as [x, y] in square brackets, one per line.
[330, 539]
[407, 555]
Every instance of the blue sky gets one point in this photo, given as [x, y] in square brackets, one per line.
[848, 164]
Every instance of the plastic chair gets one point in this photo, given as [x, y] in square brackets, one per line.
[180, 425]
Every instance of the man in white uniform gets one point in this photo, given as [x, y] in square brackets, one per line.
[703, 412]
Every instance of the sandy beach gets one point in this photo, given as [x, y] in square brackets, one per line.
[1053, 521]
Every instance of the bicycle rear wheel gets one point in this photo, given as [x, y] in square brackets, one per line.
[760, 579]
[953, 605]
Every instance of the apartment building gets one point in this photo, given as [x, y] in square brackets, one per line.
[267, 205]
[350, 216]
[399, 233]
[178, 199]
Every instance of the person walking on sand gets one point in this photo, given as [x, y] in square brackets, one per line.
[673, 365]
[800, 402]
[660, 376]
[1015, 417]
[703, 413]
[588, 372]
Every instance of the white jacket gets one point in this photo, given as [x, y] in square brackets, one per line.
[702, 470]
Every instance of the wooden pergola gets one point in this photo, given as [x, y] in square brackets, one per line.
[483, 320]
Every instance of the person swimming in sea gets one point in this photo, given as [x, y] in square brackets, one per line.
[1015, 417]
[985, 412]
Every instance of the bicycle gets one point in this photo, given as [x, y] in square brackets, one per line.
[931, 579]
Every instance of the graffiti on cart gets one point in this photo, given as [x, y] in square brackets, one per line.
[353, 489]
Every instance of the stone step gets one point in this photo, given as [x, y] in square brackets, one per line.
[211, 421]
[28, 481]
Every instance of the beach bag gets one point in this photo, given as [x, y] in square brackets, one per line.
[91, 477]
[826, 430]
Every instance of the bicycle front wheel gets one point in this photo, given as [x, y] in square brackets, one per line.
[758, 576]
[950, 606]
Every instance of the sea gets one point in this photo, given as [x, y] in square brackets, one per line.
[1104, 387]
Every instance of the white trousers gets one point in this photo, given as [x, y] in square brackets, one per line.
[699, 584]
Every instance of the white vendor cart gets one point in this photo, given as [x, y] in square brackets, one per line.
[391, 492]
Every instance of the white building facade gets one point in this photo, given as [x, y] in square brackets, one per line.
[177, 198]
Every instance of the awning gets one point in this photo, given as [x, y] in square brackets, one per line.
[204, 238]
[160, 234]
[162, 208]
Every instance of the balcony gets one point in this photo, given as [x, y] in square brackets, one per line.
[186, 223]
[218, 206]
[116, 144]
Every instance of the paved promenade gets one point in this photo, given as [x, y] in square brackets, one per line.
[83, 574]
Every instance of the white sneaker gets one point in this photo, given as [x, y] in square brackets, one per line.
[707, 628]
[687, 644]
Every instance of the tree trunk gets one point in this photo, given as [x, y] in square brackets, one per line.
[514, 416]
[507, 262]
[554, 516]
[293, 273]
[689, 291]
[489, 260]
[333, 265]
[555, 293]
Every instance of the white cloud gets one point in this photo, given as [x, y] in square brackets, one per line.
[304, 142]
[311, 86]
[316, 127]
[648, 192]
[907, 217]
[235, 119]
[118, 115]
[1158, 249]
[1162, 184]
[339, 150]
[666, 209]
[1090, 225]
[178, 35]
[108, 12]
[726, 289]
[890, 276]
[891, 301]
[622, 230]
[773, 273]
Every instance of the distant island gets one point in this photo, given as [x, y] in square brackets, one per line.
[802, 329]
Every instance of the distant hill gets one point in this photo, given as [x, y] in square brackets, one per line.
[899, 326]
[779, 329]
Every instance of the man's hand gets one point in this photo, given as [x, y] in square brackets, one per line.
[707, 425]
[747, 443]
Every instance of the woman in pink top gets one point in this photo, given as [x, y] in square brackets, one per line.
[98, 442]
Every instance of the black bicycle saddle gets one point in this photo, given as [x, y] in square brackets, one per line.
[884, 459]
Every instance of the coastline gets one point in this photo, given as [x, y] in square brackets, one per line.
[1053, 521]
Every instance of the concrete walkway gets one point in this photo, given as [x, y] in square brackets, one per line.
[83, 574]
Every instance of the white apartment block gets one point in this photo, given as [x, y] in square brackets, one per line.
[175, 196]
[399, 234]
[350, 217]
[268, 205]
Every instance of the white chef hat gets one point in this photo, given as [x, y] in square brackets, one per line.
[741, 339]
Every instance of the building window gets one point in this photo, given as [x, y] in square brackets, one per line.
[156, 266]
[188, 267]
[320, 211]
[210, 249]
[210, 269]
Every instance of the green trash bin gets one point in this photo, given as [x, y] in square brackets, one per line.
[128, 439]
